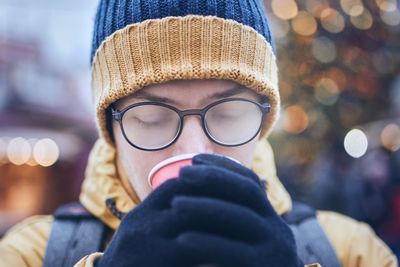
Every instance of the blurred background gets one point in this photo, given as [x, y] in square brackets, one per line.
[337, 144]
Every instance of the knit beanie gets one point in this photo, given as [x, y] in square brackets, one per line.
[137, 43]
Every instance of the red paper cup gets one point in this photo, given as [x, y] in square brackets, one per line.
[168, 169]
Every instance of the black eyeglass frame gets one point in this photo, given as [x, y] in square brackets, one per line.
[118, 115]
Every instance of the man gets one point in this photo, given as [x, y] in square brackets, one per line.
[176, 77]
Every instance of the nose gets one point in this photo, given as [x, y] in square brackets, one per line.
[193, 138]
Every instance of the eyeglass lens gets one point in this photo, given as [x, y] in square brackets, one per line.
[233, 122]
[151, 126]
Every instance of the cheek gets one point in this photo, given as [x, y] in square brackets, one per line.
[136, 164]
[244, 154]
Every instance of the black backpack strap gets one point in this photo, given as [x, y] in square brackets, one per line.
[75, 233]
[313, 246]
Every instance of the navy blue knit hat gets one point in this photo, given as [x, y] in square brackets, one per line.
[113, 15]
[137, 43]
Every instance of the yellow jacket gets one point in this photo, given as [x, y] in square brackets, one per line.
[24, 245]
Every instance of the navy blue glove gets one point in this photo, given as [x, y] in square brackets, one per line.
[146, 236]
[227, 220]
[216, 213]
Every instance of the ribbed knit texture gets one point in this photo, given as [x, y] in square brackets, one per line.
[176, 48]
[113, 15]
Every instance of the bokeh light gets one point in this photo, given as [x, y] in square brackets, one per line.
[338, 76]
[3, 151]
[284, 9]
[356, 10]
[356, 143]
[363, 21]
[332, 20]
[390, 137]
[46, 152]
[387, 5]
[315, 7]
[324, 49]
[391, 18]
[352, 7]
[304, 24]
[280, 28]
[295, 119]
[18, 151]
[31, 161]
[326, 91]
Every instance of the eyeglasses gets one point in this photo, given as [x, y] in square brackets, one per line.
[152, 126]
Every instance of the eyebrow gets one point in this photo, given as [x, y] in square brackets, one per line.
[148, 96]
[228, 93]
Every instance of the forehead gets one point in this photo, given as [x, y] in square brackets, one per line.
[201, 86]
[190, 92]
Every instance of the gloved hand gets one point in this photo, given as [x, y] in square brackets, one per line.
[216, 213]
[229, 221]
[146, 236]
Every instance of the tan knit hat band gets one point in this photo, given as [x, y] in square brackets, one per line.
[180, 48]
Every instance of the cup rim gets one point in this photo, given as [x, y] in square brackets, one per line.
[167, 162]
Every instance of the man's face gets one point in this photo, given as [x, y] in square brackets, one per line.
[188, 94]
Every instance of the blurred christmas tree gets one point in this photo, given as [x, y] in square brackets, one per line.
[339, 71]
